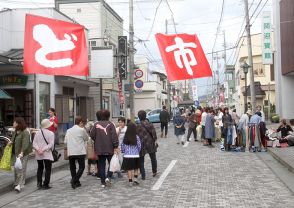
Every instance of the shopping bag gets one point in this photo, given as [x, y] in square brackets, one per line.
[91, 155]
[5, 163]
[114, 164]
[18, 164]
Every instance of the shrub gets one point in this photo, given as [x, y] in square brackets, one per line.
[275, 118]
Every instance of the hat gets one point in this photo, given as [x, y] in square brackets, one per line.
[46, 123]
[249, 112]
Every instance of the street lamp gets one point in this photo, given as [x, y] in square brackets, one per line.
[245, 68]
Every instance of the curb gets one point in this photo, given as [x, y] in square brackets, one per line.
[280, 160]
[31, 175]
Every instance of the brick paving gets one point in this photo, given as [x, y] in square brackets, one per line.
[202, 177]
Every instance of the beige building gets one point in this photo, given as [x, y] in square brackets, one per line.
[263, 77]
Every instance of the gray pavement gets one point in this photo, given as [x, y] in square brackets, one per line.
[201, 177]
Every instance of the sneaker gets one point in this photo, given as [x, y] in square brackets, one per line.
[107, 181]
[136, 183]
[17, 188]
[103, 185]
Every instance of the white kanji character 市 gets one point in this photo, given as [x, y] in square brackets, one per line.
[182, 51]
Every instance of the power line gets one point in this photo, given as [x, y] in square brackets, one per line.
[259, 12]
[150, 31]
[219, 23]
[255, 9]
[172, 15]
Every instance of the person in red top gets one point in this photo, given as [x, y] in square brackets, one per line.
[53, 128]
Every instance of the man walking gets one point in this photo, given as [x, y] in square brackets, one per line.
[164, 119]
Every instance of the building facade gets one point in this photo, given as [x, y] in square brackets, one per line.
[32, 95]
[283, 56]
[104, 26]
[263, 77]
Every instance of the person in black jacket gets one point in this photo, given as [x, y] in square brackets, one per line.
[164, 119]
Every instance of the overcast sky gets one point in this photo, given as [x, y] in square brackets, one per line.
[191, 16]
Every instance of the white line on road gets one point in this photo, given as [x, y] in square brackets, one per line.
[159, 182]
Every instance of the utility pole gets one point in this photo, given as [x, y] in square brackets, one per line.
[168, 83]
[131, 60]
[225, 65]
[250, 59]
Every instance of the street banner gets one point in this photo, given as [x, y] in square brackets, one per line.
[54, 47]
[195, 92]
[183, 56]
[267, 56]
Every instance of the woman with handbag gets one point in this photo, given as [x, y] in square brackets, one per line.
[75, 139]
[147, 134]
[43, 145]
[21, 148]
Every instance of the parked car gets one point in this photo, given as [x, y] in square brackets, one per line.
[152, 116]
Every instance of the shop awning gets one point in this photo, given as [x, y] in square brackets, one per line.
[73, 80]
[4, 95]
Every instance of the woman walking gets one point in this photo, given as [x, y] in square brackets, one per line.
[22, 147]
[209, 128]
[75, 140]
[131, 147]
[43, 145]
[179, 123]
[148, 137]
[227, 129]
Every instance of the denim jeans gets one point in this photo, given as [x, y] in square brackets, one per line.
[153, 164]
[230, 135]
[76, 175]
[48, 167]
[102, 167]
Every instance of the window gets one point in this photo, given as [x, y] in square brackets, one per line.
[229, 77]
[44, 102]
[68, 91]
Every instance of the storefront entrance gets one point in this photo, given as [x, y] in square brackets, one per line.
[21, 105]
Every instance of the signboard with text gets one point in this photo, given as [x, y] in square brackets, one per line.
[267, 56]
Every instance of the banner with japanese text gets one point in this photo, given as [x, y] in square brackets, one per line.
[183, 56]
[54, 47]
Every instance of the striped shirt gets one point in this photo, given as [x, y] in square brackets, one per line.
[131, 151]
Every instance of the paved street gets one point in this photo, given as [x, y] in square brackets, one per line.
[201, 177]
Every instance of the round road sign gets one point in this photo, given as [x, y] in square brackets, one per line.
[139, 83]
[138, 73]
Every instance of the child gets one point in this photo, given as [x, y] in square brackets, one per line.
[130, 148]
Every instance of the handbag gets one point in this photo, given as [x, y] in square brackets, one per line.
[156, 144]
[91, 155]
[55, 154]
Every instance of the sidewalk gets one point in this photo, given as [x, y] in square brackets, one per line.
[7, 177]
[284, 155]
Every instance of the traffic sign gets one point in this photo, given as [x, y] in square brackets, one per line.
[138, 73]
[139, 83]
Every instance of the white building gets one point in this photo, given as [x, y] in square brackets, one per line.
[283, 57]
[104, 26]
[32, 95]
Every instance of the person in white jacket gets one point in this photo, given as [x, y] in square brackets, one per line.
[75, 139]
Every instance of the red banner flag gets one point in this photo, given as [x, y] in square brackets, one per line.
[183, 56]
[54, 47]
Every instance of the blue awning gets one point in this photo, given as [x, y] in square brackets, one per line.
[4, 95]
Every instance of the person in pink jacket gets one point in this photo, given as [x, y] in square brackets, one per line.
[43, 144]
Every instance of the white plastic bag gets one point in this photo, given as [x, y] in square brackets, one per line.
[17, 164]
[114, 164]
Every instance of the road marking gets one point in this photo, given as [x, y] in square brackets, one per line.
[159, 182]
[186, 144]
